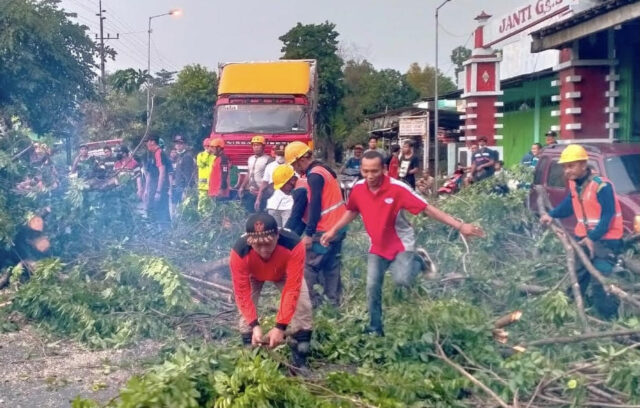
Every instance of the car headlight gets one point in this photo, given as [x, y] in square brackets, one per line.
[636, 224]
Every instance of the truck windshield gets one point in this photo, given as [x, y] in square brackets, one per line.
[624, 172]
[252, 118]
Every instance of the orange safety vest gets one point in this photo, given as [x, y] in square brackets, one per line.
[587, 208]
[332, 207]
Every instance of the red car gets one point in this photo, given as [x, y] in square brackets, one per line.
[619, 162]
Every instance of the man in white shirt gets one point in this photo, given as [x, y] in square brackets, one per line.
[256, 166]
[279, 204]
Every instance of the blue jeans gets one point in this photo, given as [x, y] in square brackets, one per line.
[403, 268]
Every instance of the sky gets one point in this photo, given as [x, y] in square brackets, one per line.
[388, 33]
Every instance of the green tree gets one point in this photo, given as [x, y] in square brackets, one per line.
[46, 64]
[458, 56]
[129, 80]
[369, 91]
[422, 79]
[320, 42]
[188, 108]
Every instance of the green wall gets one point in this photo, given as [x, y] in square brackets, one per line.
[527, 116]
[627, 49]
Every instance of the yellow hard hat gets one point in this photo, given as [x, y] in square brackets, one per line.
[573, 153]
[281, 175]
[257, 139]
[294, 151]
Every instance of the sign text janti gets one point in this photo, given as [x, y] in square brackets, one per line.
[527, 13]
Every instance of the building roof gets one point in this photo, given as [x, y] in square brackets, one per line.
[605, 15]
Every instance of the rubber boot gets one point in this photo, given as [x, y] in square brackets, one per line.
[300, 347]
[246, 338]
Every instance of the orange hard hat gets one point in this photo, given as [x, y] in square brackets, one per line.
[217, 142]
[205, 142]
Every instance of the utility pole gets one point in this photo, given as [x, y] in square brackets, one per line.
[103, 58]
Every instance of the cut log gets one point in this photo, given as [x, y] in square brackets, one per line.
[211, 285]
[507, 319]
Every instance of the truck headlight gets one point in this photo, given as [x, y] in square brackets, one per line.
[636, 224]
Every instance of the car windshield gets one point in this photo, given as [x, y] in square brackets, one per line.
[251, 118]
[624, 172]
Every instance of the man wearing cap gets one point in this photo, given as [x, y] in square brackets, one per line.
[184, 172]
[256, 166]
[219, 187]
[204, 161]
[352, 165]
[550, 138]
[158, 168]
[326, 206]
[278, 204]
[286, 181]
[265, 254]
[599, 229]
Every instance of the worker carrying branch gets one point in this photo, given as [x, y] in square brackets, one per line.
[381, 201]
[593, 200]
[265, 254]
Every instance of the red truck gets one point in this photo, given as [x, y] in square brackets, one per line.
[275, 99]
[619, 162]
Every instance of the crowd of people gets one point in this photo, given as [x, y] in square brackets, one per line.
[299, 218]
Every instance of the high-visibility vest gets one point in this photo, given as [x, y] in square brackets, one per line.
[332, 207]
[587, 208]
[204, 160]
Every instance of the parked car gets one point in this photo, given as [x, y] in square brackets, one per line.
[619, 162]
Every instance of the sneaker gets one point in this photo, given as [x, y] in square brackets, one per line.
[428, 267]
[374, 332]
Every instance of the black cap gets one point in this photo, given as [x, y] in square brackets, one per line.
[178, 139]
[261, 225]
[551, 133]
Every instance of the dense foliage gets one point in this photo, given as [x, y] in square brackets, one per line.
[432, 330]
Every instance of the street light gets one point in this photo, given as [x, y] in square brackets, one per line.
[435, 101]
[173, 12]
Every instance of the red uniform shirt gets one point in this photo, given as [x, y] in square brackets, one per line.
[383, 217]
[286, 263]
[219, 177]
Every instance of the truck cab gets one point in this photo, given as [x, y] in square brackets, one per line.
[272, 99]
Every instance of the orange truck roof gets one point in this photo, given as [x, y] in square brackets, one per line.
[277, 77]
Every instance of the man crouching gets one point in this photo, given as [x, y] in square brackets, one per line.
[264, 254]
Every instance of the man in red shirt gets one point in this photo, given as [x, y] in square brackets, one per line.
[265, 254]
[381, 201]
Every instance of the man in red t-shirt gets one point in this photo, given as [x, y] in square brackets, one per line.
[265, 254]
[381, 201]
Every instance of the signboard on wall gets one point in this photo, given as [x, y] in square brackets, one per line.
[524, 17]
[413, 126]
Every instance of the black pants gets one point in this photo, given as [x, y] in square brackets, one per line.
[159, 210]
[324, 269]
[605, 304]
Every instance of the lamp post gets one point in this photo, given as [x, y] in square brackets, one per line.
[435, 101]
[174, 12]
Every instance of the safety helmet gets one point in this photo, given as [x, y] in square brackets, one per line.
[281, 175]
[294, 151]
[573, 153]
[217, 142]
[257, 139]
[205, 142]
